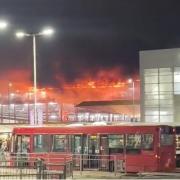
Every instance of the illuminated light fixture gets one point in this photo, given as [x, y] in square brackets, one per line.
[12, 94]
[130, 80]
[20, 34]
[53, 116]
[47, 31]
[3, 24]
[51, 103]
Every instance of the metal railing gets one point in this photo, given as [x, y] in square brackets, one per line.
[57, 165]
[21, 166]
[106, 163]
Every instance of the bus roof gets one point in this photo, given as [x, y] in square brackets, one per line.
[108, 129]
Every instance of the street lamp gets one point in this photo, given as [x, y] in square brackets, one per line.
[3, 24]
[21, 34]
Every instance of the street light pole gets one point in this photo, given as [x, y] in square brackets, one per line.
[9, 99]
[133, 91]
[21, 34]
[131, 81]
[35, 79]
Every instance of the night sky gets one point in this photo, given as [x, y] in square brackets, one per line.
[91, 35]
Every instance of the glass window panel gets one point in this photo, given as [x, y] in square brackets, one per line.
[164, 79]
[151, 102]
[166, 96]
[165, 71]
[59, 143]
[147, 141]
[151, 96]
[177, 88]
[151, 88]
[151, 71]
[41, 143]
[152, 119]
[167, 139]
[77, 144]
[165, 87]
[177, 77]
[152, 111]
[151, 79]
[116, 141]
[23, 144]
[166, 102]
[133, 143]
[167, 118]
[177, 74]
[166, 111]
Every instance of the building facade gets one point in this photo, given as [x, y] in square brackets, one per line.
[107, 111]
[160, 85]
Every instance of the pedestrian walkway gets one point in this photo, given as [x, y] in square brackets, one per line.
[111, 175]
[95, 175]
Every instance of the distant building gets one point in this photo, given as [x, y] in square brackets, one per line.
[109, 111]
[160, 85]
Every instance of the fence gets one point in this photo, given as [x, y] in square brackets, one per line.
[23, 168]
[107, 163]
[56, 165]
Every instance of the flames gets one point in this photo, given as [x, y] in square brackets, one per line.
[108, 84]
[101, 86]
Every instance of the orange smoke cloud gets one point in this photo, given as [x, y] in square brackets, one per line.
[20, 80]
[104, 85]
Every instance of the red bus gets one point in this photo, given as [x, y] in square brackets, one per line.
[147, 148]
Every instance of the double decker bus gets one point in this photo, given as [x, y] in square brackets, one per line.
[141, 148]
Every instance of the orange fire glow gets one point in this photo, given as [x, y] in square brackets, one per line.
[17, 80]
[104, 85]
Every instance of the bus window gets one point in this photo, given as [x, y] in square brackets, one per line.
[69, 143]
[23, 144]
[166, 136]
[167, 139]
[147, 142]
[116, 143]
[59, 143]
[93, 144]
[85, 145]
[41, 143]
[77, 144]
[133, 143]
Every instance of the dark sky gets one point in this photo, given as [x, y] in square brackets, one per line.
[90, 34]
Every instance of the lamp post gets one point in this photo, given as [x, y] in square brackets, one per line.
[131, 81]
[21, 34]
[9, 99]
[3, 26]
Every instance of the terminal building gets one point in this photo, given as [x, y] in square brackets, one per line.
[107, 111]
[160, 86]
